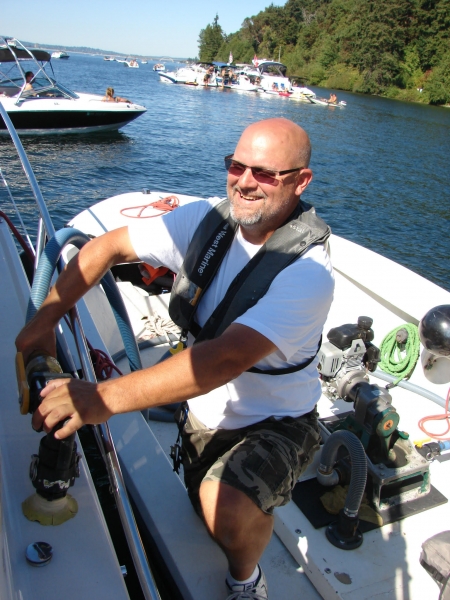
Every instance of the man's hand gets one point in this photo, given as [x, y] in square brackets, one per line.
[35, 337]
[78, 401]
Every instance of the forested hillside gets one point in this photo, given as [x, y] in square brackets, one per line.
[394, 48]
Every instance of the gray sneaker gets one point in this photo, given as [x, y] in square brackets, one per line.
[255, 590]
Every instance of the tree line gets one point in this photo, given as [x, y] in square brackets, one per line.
[394, 48]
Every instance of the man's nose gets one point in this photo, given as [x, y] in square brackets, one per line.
[247, 179]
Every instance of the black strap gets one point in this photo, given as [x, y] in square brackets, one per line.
[287, 370]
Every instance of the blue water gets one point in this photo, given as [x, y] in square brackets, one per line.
[381, 175]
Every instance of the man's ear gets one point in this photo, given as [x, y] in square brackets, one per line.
[304, 180]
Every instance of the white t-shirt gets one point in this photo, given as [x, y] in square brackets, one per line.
[291, 315]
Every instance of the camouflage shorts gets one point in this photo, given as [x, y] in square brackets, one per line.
[263, 460]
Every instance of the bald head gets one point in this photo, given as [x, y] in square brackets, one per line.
[284, 141]
[268, 175]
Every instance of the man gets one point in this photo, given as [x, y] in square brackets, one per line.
[29, 75]
[248, 435]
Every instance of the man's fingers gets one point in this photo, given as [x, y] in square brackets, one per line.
[53, 385]
[70, 426]
[48, 417]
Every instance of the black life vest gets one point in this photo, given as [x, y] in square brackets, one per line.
[209, 245]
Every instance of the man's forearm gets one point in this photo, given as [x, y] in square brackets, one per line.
[193, 372]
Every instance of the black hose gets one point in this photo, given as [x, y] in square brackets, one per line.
[358, 466]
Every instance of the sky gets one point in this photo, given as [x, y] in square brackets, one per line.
[141, 27]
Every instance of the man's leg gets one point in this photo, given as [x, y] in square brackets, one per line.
[240, 528]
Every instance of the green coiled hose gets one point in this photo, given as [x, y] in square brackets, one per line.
[399, 359]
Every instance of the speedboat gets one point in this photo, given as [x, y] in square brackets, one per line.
[301, 92]
[159, 67]
[60, 54]
[181, 75]
[47, 106]
[132, 63]
[271, 77]
[241, 83]
[325, 102]
[203, 74]
[376, 492]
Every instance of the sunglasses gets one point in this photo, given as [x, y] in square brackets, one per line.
[262, 175]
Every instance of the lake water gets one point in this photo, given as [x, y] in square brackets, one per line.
[381, 175]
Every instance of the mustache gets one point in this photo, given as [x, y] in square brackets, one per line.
[259, 196]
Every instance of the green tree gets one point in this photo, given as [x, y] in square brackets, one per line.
[210, 40]
[437, 85]
[388, 47]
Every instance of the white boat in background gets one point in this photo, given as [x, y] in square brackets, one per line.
[60, 54]
[48, 107]
[312, 554]
[325, 102]
[159, 67]
[109, 58]
[301, 93]
[243, 84]
[131, 62]
[196, 74]
[144, 62]
[271, 77]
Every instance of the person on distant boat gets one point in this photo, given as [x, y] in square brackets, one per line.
[332, 99]
[109, 96]
[208, 75]
[246, 436]
[29, 75]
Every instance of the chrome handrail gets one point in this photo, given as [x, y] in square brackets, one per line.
[105, 442]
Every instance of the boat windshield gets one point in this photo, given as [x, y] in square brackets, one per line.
[16, 61]
[277, 69]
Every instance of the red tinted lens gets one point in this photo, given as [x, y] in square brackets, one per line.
[235, 168]
[263, 175]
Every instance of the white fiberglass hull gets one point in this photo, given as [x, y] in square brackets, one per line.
[87, 113]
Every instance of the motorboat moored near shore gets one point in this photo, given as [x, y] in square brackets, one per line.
[301, 92]
[271, 76]
[44, 106]
[242, 83]
[197, 74]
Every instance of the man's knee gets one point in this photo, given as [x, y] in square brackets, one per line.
[228, 511]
